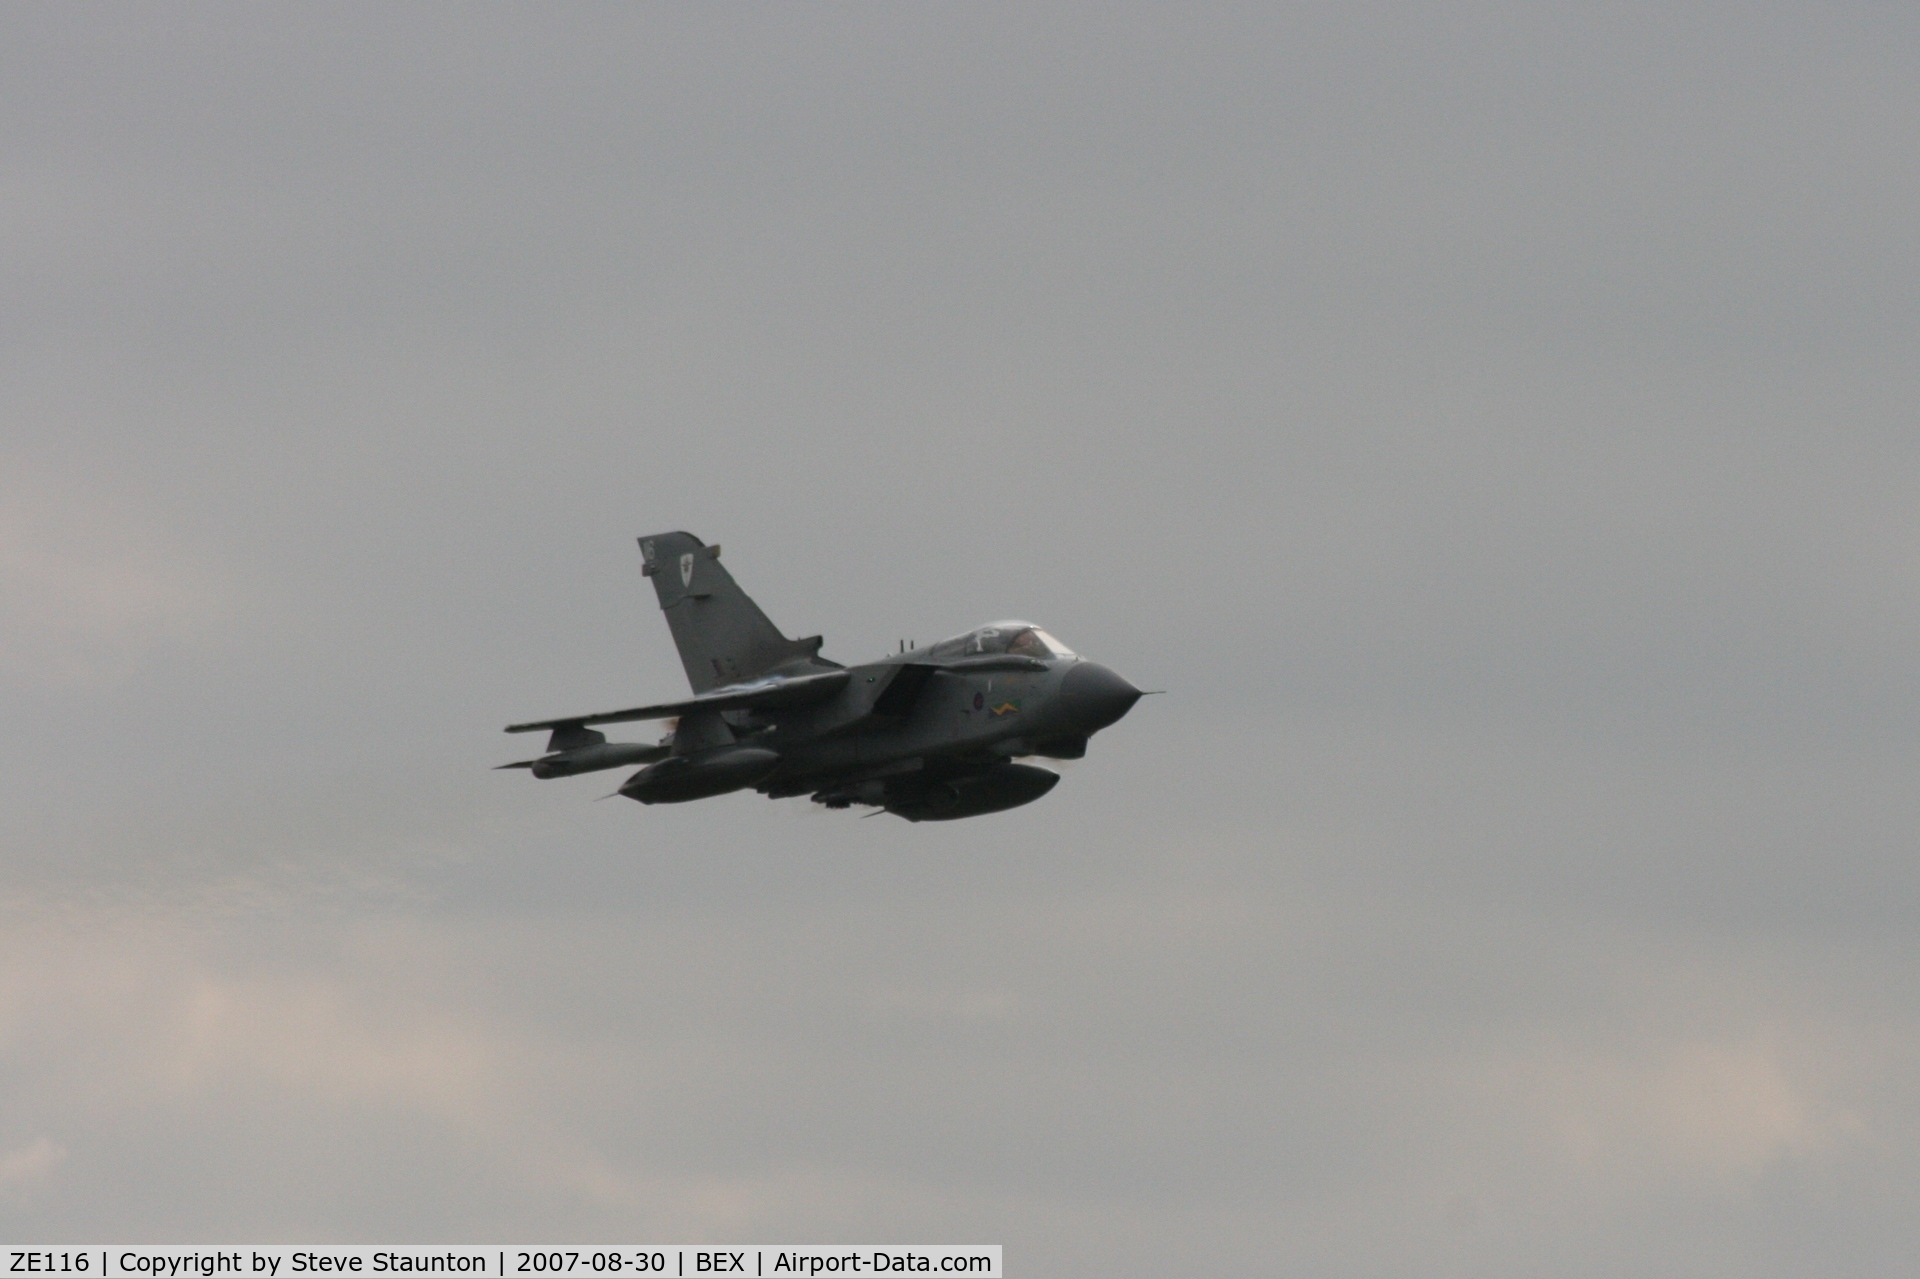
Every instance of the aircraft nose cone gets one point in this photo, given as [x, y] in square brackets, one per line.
[1093, 697]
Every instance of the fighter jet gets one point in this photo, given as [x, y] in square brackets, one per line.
[928, 734]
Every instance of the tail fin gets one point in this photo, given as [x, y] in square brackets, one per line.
[723, 637]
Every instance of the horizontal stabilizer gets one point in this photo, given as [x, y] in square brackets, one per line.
[800, 690]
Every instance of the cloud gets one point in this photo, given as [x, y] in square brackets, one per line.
[1189, 1048]
[24, 1167]
[152, 1017]
[90, 591]
[29, 1164]
[1726, 1110]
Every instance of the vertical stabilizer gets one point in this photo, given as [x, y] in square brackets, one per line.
[723, 637]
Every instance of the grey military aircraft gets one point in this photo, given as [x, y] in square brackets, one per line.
[929, 734]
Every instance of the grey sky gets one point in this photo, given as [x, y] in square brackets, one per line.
[1494, 425]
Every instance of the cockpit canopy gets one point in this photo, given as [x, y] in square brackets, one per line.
[1022, 639]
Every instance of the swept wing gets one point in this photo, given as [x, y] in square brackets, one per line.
[770, 694]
